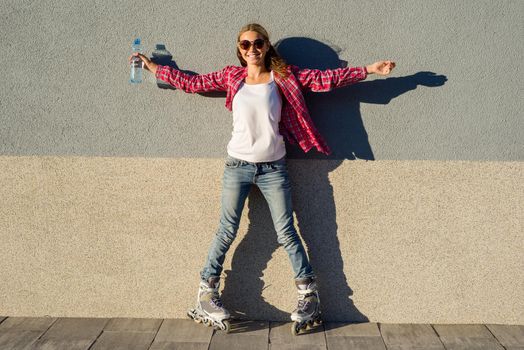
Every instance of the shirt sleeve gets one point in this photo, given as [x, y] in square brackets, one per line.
[318, 80]
[214, 81]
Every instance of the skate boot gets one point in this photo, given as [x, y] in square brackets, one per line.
[209, 309]
[307, 313]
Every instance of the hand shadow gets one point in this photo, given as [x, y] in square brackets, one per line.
[337, 116]
[163, 57]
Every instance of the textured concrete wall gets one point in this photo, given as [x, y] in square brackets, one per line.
[110, 192]
[455, 94]
[391, 241]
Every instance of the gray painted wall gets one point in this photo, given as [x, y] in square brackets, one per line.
[455, 94]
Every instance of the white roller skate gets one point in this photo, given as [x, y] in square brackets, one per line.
[307, 313]
[209, 309]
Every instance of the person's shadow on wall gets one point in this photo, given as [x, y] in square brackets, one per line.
[337, 116]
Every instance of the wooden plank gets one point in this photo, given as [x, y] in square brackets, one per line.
[466, 336]
[410, 336]
[296, 347]
[18, 339]
[110, 340]
[462, 330]
[238, 341]
[180, 346]
[20, 332]
[128, 333]
[280, 337]
[246, 327]
[181, 333]
[27, 323]
[510, 336]
[367, 329]
[77, 328]
[71, 334]
[252, 335]
[355, 343]
[133, 325]
[358, 336]
[62, 344]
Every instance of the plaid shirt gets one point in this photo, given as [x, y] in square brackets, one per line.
[295, 123]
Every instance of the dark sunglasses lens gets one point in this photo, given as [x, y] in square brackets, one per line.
[245, 44]
[259, 43]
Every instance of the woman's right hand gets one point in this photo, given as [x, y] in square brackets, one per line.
[381, 67]
[148, 64]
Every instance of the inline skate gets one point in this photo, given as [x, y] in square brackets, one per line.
[307, 313]
[209, 309]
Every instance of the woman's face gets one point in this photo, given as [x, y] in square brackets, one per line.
[253, 55]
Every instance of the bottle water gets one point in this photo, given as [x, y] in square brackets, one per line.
[136, 63]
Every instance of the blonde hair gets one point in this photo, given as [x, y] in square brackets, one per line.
[273, 60]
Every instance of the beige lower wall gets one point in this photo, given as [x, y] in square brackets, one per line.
[391, 241]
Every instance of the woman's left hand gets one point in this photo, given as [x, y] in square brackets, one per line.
[148, 64]
[381, 67]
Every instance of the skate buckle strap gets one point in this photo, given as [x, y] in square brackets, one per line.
[303, 304]
[306, 291]
[208, 288]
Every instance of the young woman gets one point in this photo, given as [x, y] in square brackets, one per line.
[265, 97]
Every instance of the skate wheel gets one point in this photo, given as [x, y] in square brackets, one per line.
[193, 316]
[295, 328]
[208, 322]
[227, 326]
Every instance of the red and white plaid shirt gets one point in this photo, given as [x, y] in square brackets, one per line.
[295, 123]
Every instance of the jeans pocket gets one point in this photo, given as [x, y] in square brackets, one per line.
[232, 162]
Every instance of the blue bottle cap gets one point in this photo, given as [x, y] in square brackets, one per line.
[137, 41]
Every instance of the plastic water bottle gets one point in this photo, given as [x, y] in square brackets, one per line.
[136, 63]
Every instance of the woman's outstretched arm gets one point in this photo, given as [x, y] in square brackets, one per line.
[318, 80]
[214, 81]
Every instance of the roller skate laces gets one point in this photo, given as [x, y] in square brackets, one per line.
[209, 300]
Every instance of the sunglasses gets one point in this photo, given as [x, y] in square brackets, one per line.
[246, 44]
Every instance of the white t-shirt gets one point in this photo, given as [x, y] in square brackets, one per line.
[256, 115]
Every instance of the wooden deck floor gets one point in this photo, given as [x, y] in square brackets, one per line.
[162, 334]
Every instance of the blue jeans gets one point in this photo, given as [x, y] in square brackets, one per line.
[273, 181]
